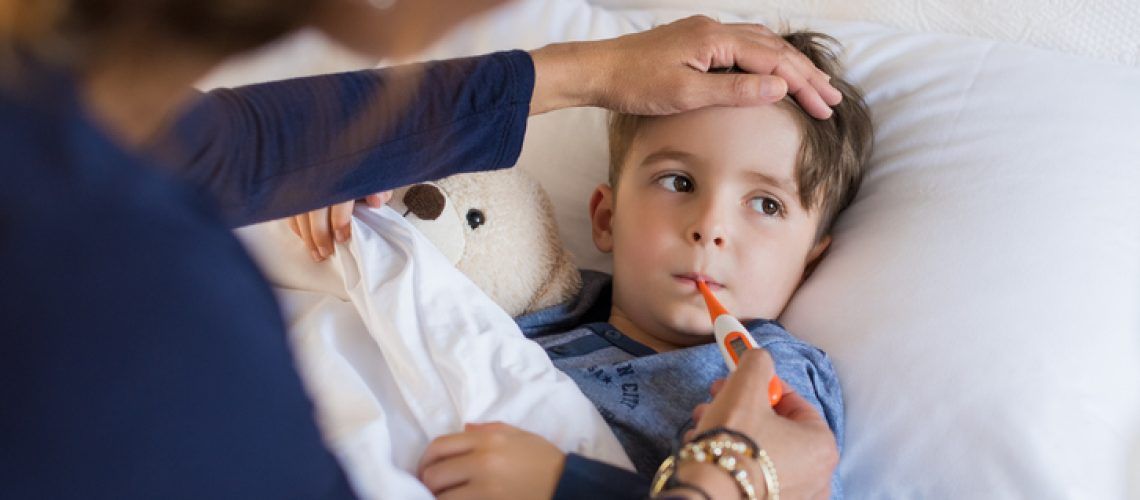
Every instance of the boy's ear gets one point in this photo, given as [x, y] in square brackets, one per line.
[815, 255]
[601, 217]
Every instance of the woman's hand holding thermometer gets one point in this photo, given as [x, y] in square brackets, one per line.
[734, 339]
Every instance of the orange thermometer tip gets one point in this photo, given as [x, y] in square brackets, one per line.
[715, 309]
[775, 385]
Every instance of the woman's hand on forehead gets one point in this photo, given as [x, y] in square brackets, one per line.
[672, 68]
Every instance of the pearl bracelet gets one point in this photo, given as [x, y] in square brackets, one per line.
[722, 453]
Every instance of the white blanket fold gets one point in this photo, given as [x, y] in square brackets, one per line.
[397, 347]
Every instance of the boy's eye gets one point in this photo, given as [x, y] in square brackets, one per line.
[766, 205]
[676, 183]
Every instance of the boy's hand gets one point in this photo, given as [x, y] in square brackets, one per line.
[492, 460]
[319, 228]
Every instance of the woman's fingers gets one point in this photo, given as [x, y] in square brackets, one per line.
[816, 78]
[340, 218]
[319, 229]
[320, 232]
[699, 412]
[802, 78]
[379, 199]
[764, 54]
[743, 397]
[794, 407]
[716, 386]
[307, 236]
[294, 227]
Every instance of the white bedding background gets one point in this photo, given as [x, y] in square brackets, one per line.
[1105, 29]
[981, 300]
[397, 347]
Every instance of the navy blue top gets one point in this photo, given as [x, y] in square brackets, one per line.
[143, 354]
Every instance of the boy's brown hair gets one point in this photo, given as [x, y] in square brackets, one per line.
[833, 153]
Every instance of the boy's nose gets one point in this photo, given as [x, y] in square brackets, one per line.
[707, 237]
[706, 227]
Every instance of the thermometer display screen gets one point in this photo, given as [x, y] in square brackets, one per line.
[738, 346]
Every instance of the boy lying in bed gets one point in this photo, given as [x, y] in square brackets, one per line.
[742, 198]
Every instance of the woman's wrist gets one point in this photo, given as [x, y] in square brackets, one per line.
[714, 480]
[567, 75]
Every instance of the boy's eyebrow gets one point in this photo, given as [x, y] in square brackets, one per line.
[670, 154]
[783, 183]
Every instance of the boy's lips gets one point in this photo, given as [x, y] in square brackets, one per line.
[694, 277]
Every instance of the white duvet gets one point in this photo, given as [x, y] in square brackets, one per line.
[397, 347]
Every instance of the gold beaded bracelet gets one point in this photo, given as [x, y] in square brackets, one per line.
[768, 469]
[721, 452]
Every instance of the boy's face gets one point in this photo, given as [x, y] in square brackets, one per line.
[708, 193]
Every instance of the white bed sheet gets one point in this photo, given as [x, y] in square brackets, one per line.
[397, 347]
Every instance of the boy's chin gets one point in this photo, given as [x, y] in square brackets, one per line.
[691, 332]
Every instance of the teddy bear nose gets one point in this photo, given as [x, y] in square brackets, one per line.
[425, 201]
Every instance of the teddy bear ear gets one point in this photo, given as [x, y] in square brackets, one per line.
[563, 283]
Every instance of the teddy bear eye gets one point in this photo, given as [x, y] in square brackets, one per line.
[475, 218]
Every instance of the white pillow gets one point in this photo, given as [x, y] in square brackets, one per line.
[981, 299]
[1105, 29]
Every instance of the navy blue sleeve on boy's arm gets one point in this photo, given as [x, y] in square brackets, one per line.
[587, 478]
[275, 149]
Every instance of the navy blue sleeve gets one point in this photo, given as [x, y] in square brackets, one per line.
[143, 354]
[275, 149]
[587, 478]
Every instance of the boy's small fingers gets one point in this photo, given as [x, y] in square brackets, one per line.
[447, 474]
[443, 448]
[477, 426]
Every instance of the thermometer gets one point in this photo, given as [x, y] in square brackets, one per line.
[734, 339]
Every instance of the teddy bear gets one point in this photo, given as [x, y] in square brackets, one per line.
[498, 229]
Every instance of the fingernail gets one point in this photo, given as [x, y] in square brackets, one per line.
[341, 237]
[770, 89]
[316, 256]
[324, 252]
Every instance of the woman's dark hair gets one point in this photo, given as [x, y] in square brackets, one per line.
[71, 31]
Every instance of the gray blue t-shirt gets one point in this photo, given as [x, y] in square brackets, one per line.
[648, 397]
